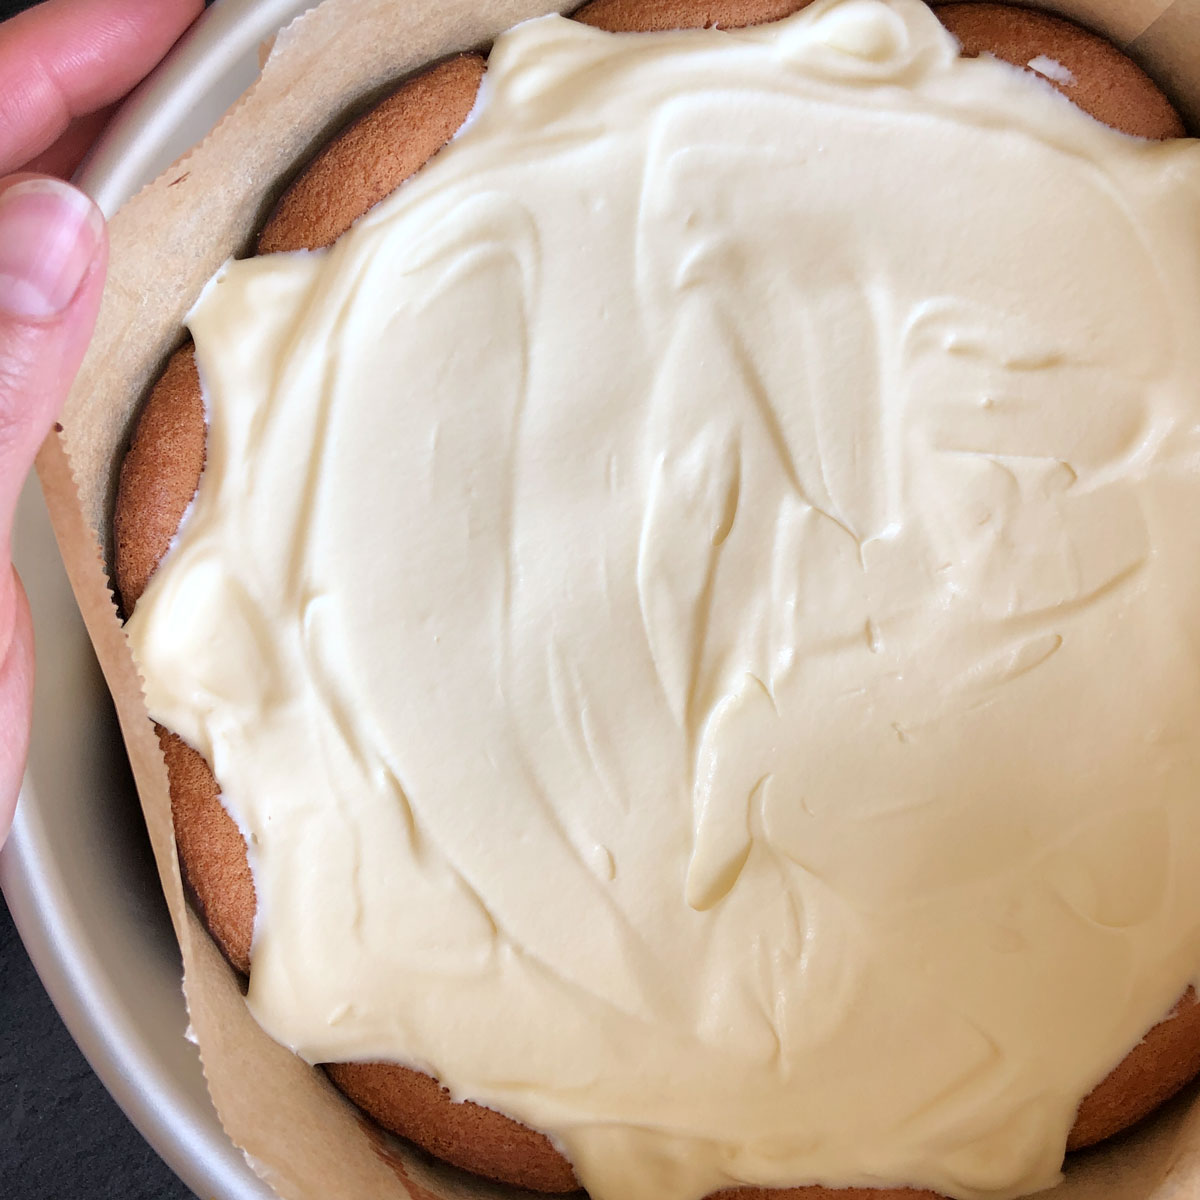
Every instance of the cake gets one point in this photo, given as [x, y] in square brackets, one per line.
[159, 479]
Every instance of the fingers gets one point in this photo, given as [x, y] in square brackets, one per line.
[60, 64]
[66, 58]
[53, 252]
[16, 691]
[68, 152]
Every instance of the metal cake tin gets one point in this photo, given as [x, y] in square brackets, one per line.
[76, 872]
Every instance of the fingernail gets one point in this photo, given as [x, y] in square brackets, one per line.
[49, 234]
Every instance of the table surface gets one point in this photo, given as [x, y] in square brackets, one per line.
[61, 1134]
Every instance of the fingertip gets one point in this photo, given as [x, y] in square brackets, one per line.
[16, 689]
[51, 235]
[53, 257]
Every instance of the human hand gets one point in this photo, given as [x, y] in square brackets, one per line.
[64, 65]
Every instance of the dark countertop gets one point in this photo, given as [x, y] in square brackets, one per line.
[62, 1137]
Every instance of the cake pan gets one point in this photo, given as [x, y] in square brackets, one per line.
[77, 872]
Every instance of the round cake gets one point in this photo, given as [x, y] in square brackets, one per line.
[361, 166]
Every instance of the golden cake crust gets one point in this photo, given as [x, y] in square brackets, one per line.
[1105, 82]
[356, 169]
[364, 162]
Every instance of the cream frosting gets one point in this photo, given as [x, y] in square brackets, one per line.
[694, 604]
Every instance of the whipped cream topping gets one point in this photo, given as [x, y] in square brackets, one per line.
[694, 603]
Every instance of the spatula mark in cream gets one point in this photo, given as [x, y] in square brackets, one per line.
[691, 506]
[723, 797]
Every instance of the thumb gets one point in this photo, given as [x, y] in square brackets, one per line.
[53, 251]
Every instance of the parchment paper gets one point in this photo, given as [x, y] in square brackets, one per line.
[296, 1131]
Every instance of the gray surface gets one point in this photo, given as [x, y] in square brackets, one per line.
[76, 872]
[61, 1134]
